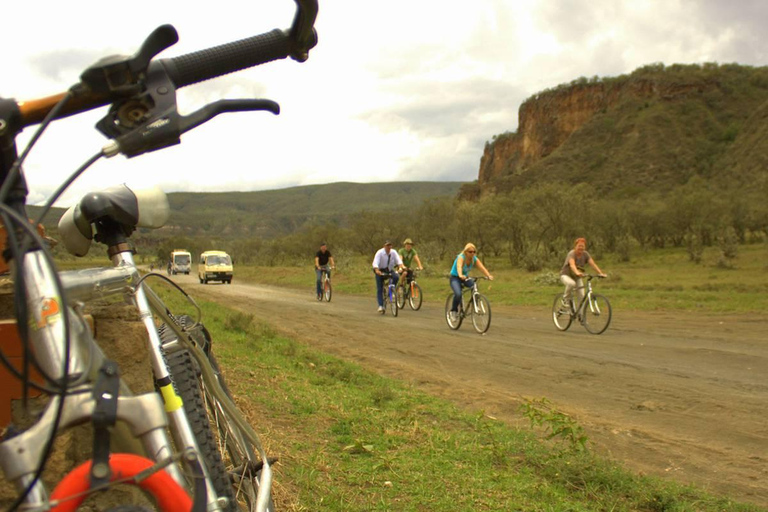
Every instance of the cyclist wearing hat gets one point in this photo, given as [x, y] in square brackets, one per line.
[384, 263]
[409, 254]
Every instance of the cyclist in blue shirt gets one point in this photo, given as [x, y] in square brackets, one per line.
[462, 265]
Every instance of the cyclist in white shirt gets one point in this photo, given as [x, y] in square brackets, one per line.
[385, 262]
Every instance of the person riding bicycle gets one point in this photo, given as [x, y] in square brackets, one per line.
[385, 262]
[462, 265]
[322, 258]
[573, 270]
[408, 254]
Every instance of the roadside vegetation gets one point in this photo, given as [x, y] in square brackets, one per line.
[350, 440]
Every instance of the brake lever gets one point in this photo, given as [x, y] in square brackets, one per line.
[164, 130]
[211, 110]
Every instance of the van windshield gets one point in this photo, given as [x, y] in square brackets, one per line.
[218, 260]
[181, 259]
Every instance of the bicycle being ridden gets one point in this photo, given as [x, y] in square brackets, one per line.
[386, 265]
[83, 386]
[408, 289]
[323, 265]
[325, 283]
[593, 310]
[473, 304]
[465, 261]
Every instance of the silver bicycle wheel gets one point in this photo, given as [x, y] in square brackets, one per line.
[561, 315]
[481, 313]
[452, 323]
[596, 314]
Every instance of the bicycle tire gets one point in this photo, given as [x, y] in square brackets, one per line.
[392, 300]
[400, 294]
[185, 375]
[327, 290]
[561, 317]
[481, 314]
[596, 314]
[448, 306]
[213, 432]
[414, 297]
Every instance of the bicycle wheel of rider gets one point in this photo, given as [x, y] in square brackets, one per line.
[561, 316]
[414, 297]
[327, 290]
[481, 314]
[453, 322]
[401, 294]
[597, 314]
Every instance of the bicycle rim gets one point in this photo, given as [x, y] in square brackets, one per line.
[327, 291]
[448, 304]
[597, 314]
[481, 314]
[560, 314]
[393, 308]
[414, 299]
[400, 292]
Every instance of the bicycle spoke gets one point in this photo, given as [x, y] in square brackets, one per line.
[481, 314]
[561, 316]
[597, 314]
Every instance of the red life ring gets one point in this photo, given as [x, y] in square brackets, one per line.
[169, 495]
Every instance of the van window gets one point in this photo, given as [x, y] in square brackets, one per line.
[215, 259]
[181, 259]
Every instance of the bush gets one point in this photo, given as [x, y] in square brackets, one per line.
[547, 279]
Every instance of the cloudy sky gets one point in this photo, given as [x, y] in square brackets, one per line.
[402, 90]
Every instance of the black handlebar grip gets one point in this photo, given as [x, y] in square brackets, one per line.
[220, 60]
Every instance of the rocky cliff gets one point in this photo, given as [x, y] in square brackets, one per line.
[669, 122]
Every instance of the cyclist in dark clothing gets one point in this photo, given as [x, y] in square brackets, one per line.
[322, 259]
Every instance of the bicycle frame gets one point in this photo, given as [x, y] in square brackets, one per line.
[586, 299]
[61, 344]
[144, 414]
[469, 296]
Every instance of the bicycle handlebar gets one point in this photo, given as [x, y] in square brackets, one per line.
[184, 70]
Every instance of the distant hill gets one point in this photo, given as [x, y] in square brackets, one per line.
[651, 130]
[276, 212]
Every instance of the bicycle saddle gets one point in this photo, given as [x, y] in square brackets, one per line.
[117, 207]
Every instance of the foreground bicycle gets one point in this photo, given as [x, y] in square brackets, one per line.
[389, 294]
[213, 459]
[593, 311]
[325, 282]
[409, 290]
[473, 304]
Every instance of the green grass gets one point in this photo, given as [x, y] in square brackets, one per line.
[348, 439]
[662, 279]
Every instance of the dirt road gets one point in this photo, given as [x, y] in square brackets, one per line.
[678, 395]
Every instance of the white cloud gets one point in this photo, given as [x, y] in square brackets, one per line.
[396, 91]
